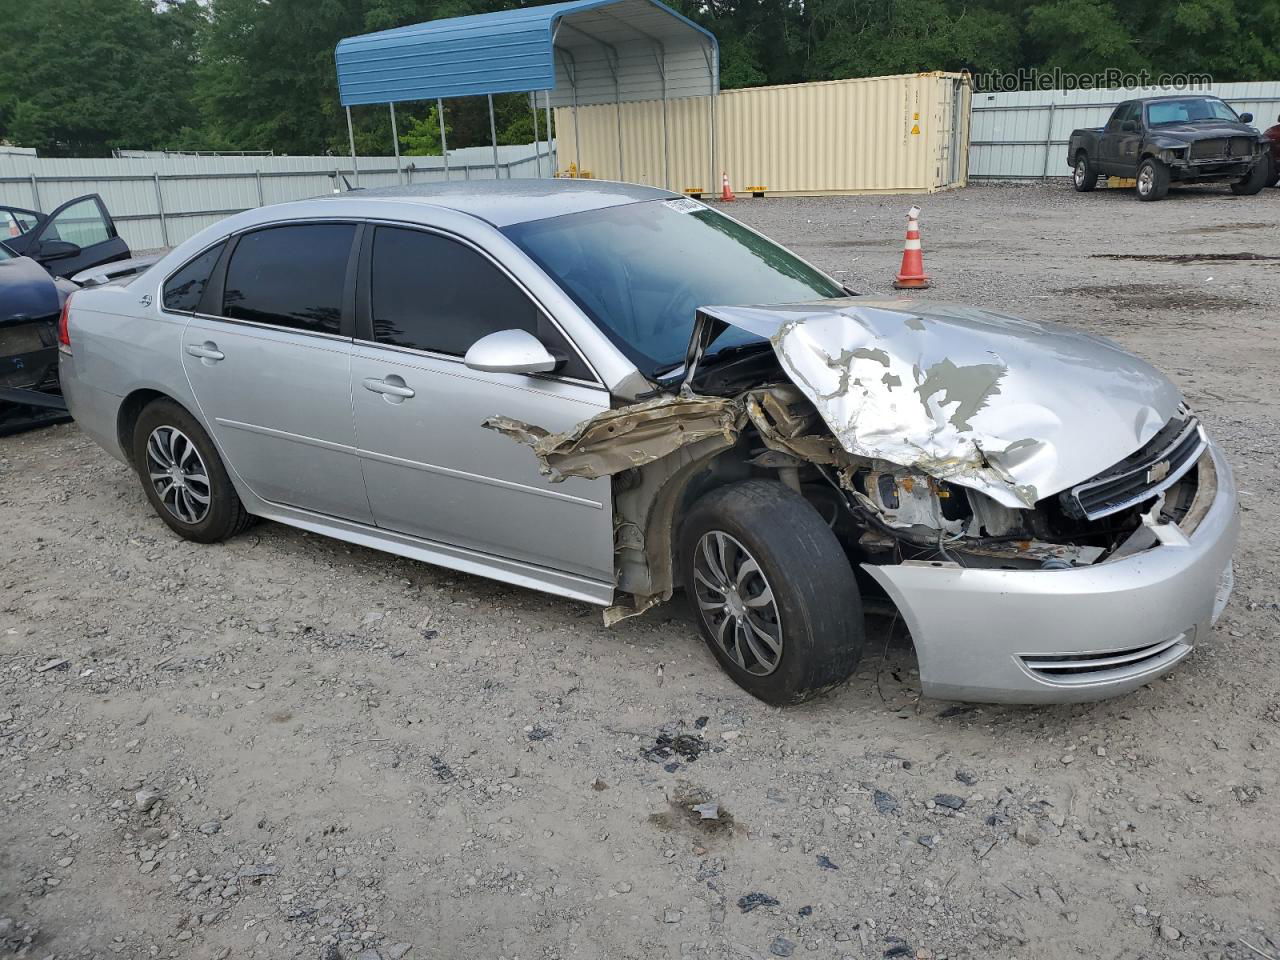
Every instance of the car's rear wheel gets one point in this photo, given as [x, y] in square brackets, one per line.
[772, 590]
[1258, 178]
[1274, 162]
[1153, 179]
[183, 476]
[1084, 176]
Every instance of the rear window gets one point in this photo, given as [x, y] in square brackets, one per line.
[185, 288]
[290, 276]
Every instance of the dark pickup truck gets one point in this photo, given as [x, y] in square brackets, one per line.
[1159, 140]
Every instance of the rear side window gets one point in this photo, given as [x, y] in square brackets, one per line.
[432, 293]
[14, 223]
[290, 276]
[185, 288]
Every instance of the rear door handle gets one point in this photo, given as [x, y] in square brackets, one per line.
[206, 351]
[393, 386]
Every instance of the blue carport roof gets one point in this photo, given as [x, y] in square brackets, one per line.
[514, 51]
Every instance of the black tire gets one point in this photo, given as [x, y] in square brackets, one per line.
[1084, 176]
[223, 515]
[1275, 171]
[1153, 179]
[1258, 178]
[817, 608]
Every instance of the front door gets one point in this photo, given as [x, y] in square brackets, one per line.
[271, 370]
[431, 469]
[78, 235]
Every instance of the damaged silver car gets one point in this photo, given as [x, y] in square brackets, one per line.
[610, 393]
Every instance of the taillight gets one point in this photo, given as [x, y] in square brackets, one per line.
[64, 330]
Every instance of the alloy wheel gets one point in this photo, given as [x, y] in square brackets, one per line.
[1080, 169]
[736, 603]
[1146, 180]
[178, 474]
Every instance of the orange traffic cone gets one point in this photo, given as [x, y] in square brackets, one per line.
[726, 194]
[912, 275]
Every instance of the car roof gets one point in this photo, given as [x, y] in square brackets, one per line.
[1179, 96]
[506, 202]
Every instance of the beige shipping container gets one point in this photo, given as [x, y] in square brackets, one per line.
[901, 134]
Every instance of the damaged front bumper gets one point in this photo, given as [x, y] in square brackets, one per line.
[1056, 636]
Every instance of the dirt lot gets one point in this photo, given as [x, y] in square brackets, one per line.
[288, 747]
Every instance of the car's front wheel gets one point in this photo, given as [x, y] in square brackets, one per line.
[773, 592]
[183, 476]
[1153, 179]
[1258, 178]
[1084, 177]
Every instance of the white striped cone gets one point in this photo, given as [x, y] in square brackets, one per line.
[911, 275]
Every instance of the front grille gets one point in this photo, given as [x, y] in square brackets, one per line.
[1154, 468]
[1222, 148]
[1080, 669]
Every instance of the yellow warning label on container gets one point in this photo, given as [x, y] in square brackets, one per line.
[915, 130]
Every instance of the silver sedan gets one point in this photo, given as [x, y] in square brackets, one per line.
[609, 392]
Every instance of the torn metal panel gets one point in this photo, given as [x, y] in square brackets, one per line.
[1016, 409]
[627, 437]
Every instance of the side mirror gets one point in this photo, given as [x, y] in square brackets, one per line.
[1246, 118]
[1129, 126]
[510, 351]
[57, 250]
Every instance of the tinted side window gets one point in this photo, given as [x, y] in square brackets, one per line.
[183, 291]
[290, 276]
[432, 293]
[1125, 111]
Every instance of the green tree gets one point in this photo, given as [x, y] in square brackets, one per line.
[83, 76]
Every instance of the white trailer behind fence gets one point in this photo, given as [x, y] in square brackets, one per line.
[159, 201]
[1022, 135]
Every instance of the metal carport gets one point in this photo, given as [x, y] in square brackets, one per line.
[579, 53]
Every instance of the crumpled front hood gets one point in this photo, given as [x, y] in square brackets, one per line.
[1018, 409]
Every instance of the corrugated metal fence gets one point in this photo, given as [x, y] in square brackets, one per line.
[161, 201]
[1025, 134]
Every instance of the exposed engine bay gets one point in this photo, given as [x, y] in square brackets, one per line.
[909, 453]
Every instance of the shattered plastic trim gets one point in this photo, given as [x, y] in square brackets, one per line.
[626, 437]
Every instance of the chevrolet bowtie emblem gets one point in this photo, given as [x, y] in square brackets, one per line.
[1158, 471]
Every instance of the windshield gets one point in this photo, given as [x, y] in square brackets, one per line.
[639, 271]
[1189, 110]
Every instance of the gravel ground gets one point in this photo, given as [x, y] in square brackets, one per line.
[285, 746]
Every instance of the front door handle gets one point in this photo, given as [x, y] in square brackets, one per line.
[392, 386]
[206, 351]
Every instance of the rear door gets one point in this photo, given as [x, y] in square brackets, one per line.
[268, 352]
[77, 235]
[1110, 139]
[431, 469]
